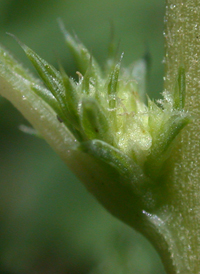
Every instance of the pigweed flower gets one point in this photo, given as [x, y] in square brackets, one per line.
[101, 126]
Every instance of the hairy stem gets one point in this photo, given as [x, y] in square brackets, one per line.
[182, 38]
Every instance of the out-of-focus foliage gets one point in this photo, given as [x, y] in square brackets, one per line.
[49, 223]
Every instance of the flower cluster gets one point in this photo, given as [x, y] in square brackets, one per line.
[106, 113]
[128, 136]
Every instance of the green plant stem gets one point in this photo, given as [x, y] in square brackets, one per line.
[182, 39]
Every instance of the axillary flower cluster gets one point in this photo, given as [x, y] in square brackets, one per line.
[105, 111]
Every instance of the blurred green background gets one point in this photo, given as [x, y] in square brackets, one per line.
[48, 221]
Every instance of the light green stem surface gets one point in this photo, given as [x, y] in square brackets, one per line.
[182, 38]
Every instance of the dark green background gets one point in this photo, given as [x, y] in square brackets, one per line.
[48, 222]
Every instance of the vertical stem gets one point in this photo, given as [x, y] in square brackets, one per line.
[182, 38]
